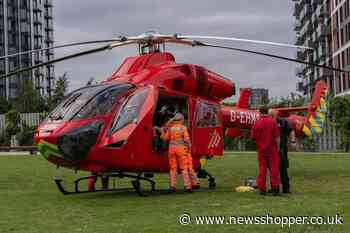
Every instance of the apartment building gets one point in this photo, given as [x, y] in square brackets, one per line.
[26, 25]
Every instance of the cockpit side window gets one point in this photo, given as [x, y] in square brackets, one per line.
[130, 110]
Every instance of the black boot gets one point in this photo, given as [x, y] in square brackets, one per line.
[173, 190]
[188, 190]
[276, 192]
[263, 193]
[286, 191]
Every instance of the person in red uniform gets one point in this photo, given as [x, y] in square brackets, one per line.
[266, 134]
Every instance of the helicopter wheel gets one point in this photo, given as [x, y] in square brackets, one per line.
[136, 184]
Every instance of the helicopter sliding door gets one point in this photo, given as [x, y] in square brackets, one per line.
[207, 131]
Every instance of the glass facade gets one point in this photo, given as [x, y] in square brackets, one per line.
[26, 25]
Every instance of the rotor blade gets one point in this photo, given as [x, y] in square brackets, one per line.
[269, 55]
[75, 55]
[181, 42]
[61, 46]
[242, 40]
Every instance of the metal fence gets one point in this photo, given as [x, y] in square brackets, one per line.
[28, 119]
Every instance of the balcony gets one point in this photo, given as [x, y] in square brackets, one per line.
[323, 12]
[304, 2]
[38, 36]
[38, 60]
[300, 72]
[36, 8]
[297, 10]
[310, 44]
[48, 3]
[317, 2]
[347, 68]
[308, 11]
[49, 29]
[49, 40]
[300, 87]
[297, 26]
[309, 29]
[299, 40]
[324, 30]
[38, 73]
[37, 21]
[48, 16]
[323, 54]
[301, 55]
[49, 52]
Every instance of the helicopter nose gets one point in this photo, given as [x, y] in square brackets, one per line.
[76, 144]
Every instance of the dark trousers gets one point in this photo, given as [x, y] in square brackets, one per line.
[284, 165]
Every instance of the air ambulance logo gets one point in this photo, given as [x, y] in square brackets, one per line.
[214, 140]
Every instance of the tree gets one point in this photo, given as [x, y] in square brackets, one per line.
[60, 90]
[26, 135]
[340, 117]
[91, 81]
[292, 100]
[13, 121]
[5, 106]
[29, 99]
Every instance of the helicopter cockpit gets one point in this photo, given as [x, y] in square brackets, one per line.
[80, 118]
[88, 102]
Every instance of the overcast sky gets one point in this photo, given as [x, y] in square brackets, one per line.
[271, 20]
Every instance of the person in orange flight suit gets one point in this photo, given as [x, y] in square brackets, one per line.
[179, 153]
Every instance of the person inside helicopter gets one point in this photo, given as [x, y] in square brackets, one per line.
[166, 109]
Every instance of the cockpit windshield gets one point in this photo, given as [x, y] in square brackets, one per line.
[88, 101]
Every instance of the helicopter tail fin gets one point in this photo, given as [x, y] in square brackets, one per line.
[243, 101]
[316, 117]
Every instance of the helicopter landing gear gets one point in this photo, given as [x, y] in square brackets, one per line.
[204, 174]
[136, 184]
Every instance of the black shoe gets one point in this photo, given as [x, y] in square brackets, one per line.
[173, 190]
[276, 192]
[195, 187]
[188, 190]
[262, 193]
[286, 191]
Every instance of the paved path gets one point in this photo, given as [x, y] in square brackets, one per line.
[15, 153]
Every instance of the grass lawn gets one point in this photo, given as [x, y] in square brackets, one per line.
[30, 202]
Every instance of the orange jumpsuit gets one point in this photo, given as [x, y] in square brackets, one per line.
[179, 154]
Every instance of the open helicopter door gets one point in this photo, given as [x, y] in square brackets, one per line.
[207, 131]
[131, 129]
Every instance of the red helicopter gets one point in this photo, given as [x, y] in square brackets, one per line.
[108, 128]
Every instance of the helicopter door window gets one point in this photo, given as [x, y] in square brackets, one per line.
[130, 110]
[207, 115]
